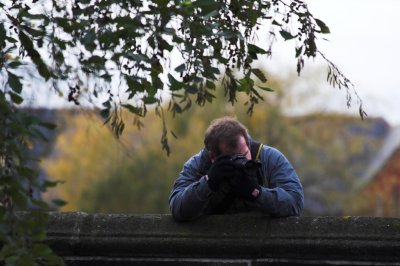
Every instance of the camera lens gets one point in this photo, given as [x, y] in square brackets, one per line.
[250, 166]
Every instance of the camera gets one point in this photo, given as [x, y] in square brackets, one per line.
[249, 166]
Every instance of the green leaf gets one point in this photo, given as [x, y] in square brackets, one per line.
[257, 94]
[96, 62]
[259, 74]
[175, 84]
[286, 35]
[255, 49]
[136, 57]
[266, 88]
[34, 55]
[132, 109]
[133, 86]
[322, 26]
[106, 77]
[64, 24]
[11, 40]
[89, 38]
[33, 32]
[50, 126]
[162, 3]
[14, 64]
[150, 100]
[3, 35]
[59, 202]
[16, 98]
[180, 68]
[276, 23]
[50, 183]
[35, 16]
[210, 84]
[299, 51]
[14, 82]
[105, 114]
[107, 104]
[246, 84]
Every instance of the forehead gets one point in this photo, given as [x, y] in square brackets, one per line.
[241, 147]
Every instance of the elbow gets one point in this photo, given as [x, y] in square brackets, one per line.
[297, 205]
[177, 211]
[298, 210]
[176, 214]
[177, 217]
[290, 210]
[293, 207]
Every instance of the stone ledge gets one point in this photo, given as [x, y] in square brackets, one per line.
[240, 239]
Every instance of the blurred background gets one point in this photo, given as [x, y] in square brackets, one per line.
[348, 166]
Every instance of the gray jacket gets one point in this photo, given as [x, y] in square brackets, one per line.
[282, 192]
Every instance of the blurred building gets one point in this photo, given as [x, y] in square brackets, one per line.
[380, 187]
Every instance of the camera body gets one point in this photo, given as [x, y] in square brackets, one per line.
[249, 166]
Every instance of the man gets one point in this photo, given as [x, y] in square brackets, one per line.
[235, 174]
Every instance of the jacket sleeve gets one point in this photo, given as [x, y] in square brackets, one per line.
[190, 192]
[283, 193]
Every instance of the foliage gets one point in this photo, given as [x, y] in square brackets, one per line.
[21, 235]
[146, 47]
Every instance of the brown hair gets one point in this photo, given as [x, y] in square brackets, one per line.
[225, 130]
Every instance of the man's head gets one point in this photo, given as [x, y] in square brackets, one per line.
[227, 135]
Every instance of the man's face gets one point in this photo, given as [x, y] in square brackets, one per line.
[241, 148]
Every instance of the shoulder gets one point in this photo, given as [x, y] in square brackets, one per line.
[262, 151]
[271, 154]
[197, 162]
[276, 164]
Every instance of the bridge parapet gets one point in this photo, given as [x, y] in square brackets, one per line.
[128, 239]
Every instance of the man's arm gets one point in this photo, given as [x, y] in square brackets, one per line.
[284, 195]
[189, 195]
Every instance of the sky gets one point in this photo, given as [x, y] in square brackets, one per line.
[365, 44]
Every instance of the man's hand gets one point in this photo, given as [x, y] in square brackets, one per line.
[245, 187]
[221, 170]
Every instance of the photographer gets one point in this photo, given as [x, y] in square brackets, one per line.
[235, 174]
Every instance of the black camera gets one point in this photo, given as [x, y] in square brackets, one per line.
[249, 166]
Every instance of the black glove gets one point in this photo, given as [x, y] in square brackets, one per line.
[221, 170]
[243, 186]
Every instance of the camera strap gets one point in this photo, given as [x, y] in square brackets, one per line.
[255, 150]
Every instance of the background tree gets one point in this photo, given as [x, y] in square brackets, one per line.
[138, 177]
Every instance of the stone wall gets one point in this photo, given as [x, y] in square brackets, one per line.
[127, 239]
